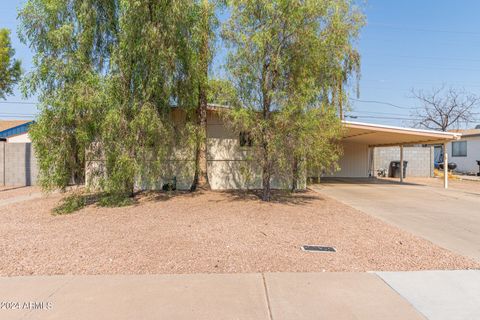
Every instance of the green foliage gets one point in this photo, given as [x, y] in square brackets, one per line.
[72, 41]
[222, 92]
[67, 124]
[10, 70]
[289, 61]
[115, 200]
[77, 201]
[112, 74]
[71, 204]
[108, 74]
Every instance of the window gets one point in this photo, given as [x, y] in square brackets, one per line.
[459, 148]
[245, 139]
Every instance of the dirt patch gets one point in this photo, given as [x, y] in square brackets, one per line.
[210, 232]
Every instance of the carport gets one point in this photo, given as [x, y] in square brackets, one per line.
[365, 136]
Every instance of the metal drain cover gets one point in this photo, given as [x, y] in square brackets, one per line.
[318, 249]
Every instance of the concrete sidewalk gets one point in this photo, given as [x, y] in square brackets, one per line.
[204, 296]
[439, 295]
[17, 199]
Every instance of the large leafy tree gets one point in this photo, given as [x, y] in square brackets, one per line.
[72, 41]
[204, 37]
[289, 61]
[10, 69]
[151, 73]
[108, 73]
[204, 45]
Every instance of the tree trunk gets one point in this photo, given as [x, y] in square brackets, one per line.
[201, 175]
[266, 168]
[294, 174]
[266, 195]
[340, 100]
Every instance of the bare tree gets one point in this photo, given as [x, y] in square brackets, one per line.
[443, 109]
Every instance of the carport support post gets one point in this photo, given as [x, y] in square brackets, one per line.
[445, 166]
[401, 163]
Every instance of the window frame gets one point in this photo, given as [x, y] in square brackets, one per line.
[459, 154]
[245, 139]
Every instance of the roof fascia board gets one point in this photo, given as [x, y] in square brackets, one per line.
[384, 128]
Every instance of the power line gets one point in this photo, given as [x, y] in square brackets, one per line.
[383, 117]
[421, 67]
[382, 102]
[429, 42]
[18, 114]
[18, 102]
[395, 118]
[419, 29]
[378, 112]
[15, 117]
[421, 57]
[459, 83]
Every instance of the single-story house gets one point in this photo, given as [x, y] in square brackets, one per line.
[15, 131]
[466, 151]
[229, 166]
[18, 164]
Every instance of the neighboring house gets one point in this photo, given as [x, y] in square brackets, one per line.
[229, 166]
[15, 131]
[18, 164]
[466, 151]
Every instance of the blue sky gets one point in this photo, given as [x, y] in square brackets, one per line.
[405, 44]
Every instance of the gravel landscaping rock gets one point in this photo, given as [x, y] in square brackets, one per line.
[208, 232]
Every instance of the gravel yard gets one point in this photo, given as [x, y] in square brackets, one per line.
[210, 232]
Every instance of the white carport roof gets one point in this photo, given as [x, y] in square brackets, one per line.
[376, 135]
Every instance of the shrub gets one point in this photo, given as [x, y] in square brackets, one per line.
[70, 204]
[115, 200]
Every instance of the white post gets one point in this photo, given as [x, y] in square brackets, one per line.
[401, 163]
[3, 162]
[373, 163]
[445, 166]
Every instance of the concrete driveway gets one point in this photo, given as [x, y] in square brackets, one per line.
[449, 218]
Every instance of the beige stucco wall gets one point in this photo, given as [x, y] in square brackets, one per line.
[229, 164]
[21, 138]
[354, 163]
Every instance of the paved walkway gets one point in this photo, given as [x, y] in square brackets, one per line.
[470, 178]
[433, 295]
[275, 296]
[26, 197]
[448, 218]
